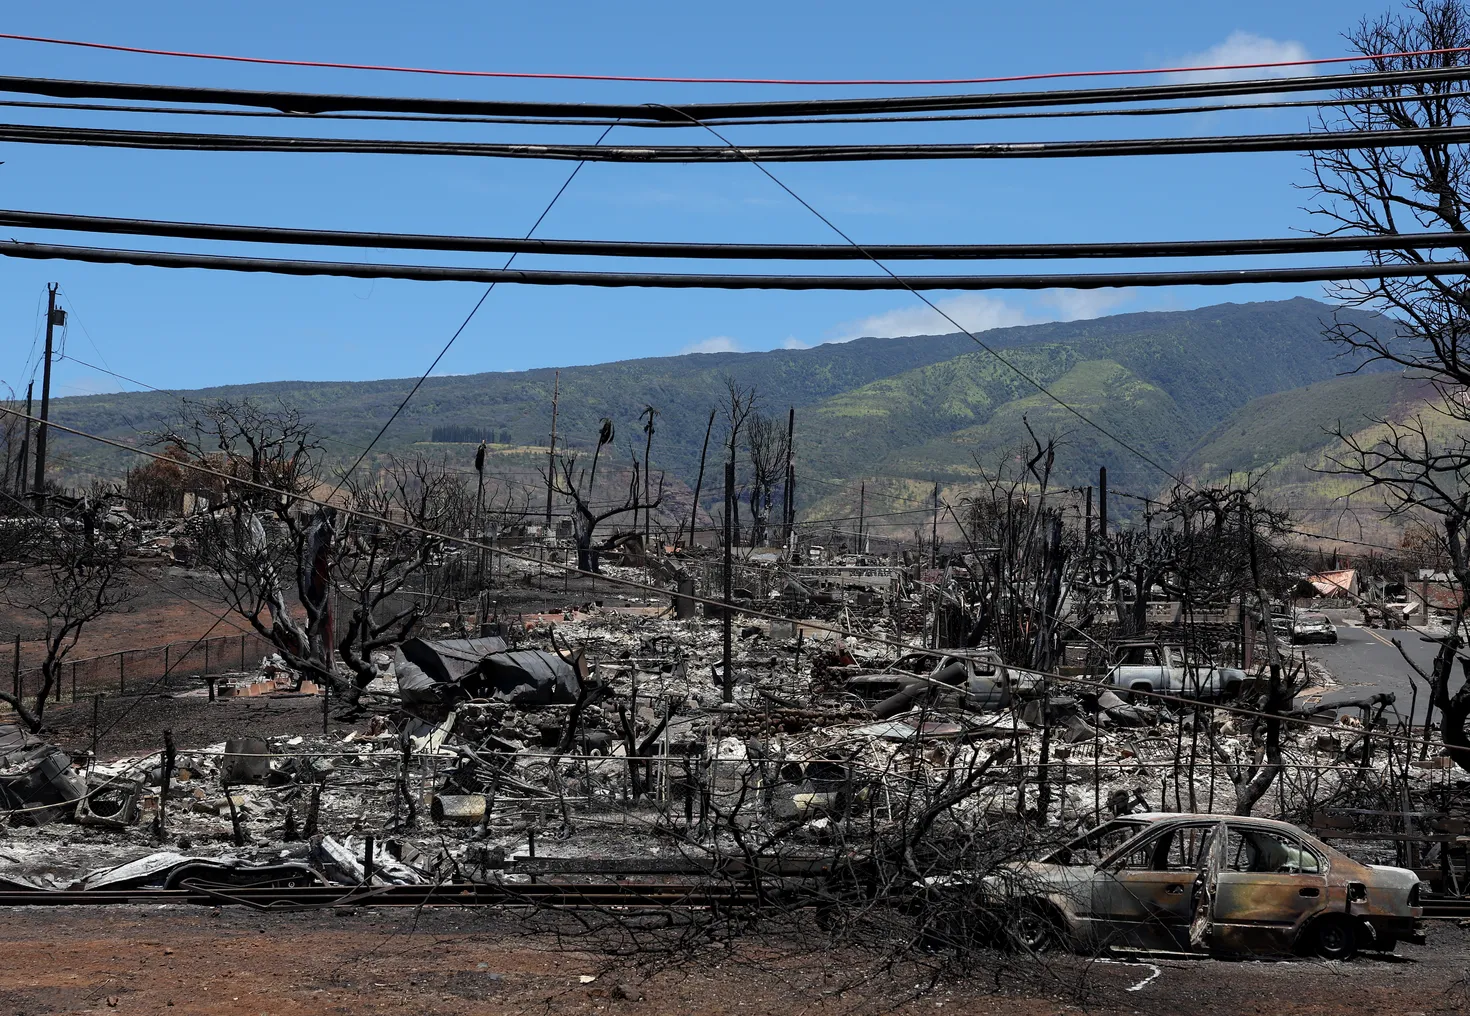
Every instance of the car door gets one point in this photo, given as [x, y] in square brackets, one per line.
[1144, 898]
[1176, 679]
[987, 687]
[1266, 885]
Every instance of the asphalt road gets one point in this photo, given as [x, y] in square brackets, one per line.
[1365, 662]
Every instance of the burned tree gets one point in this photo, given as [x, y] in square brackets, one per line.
[739, 404]
[374, 562]
[768, 452]
[66, 574]
[699, 481]
[263, 528]
[1025, 557]
[649, 414]
[260, 530]
[1417, 464]
[579, 484]
[14, 444]
[1226, 543]
[156, 488]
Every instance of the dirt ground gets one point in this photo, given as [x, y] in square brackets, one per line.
[173, 604]
[133, 725]
[235, 962]
[157, 613]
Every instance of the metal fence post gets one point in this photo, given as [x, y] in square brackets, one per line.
[165, 658]
[242, 652]
[122, 673]
[206, 656]
[73, 680]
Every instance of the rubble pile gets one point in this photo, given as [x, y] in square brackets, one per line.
[603, 735]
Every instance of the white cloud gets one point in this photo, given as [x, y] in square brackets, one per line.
[976, 312]
[1245, 48]
[1084, 304]
[792, 342]
[972, 311]
[718, 344]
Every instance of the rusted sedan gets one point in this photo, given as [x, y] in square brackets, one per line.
[1222, 885]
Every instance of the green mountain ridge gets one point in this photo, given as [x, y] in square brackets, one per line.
[911, 409]
[1288, 438]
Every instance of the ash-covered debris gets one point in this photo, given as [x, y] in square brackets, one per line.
[600, 742]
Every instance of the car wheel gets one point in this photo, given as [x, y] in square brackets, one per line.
[1335, 939]
[1031, 929]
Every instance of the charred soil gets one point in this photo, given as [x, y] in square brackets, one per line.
[234, 962]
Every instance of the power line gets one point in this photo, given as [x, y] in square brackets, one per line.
[851, 283]
[309, 103]
[1310, 141]
[465, 323]
[1041, 388]
[731, 251]
[544, 75]
[786, 121]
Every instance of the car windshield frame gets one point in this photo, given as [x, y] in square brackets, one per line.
[1143, 826]
[1148, 830]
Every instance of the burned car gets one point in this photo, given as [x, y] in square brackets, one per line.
[986, 683]
[1312, 626]
[1219, 885]
[1158, 667]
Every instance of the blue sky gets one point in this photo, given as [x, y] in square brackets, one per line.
[178, 329]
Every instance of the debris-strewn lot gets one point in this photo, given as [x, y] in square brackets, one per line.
[826, 784]
[360, 962]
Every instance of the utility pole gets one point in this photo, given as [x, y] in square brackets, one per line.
[21, 477]
[649, 412]
[1087, 528]
[791, 505]
[786, 516]
[1102, 503]
[53, 317]
[480, 522]
[727, 678]
[934, 531]
[551, 452]
[862, 514]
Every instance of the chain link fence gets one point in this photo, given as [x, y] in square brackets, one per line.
[153, 668]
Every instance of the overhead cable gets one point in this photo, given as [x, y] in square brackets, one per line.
[542, 277]
[1111, 147]
[732, 251]
[675, 114]
[561, 76]
[792, 121]
[467, 319]
[991, 351]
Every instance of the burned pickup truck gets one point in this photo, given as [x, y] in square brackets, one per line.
[1192, 883]
[1160, 667]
